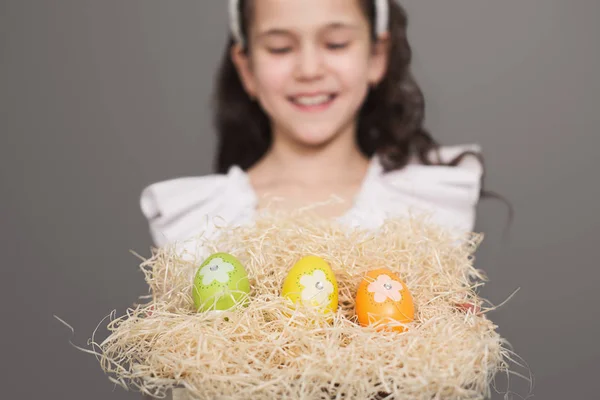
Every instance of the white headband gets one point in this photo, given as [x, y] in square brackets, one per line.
[382, 16]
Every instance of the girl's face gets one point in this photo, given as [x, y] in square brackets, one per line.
[310, 64]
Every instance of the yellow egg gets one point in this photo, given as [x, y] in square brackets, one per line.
[311, 282]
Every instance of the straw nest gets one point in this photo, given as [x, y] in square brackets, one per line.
[261, 352]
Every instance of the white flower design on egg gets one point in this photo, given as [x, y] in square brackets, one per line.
[216, 270]
[385, 287]
[316, 288]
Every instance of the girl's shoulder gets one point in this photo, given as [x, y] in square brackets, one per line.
[465, 175]
[177, 209]
[448, 194]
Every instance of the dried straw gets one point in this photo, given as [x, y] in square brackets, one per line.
[258, 352]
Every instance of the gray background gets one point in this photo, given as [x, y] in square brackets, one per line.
[100, 98]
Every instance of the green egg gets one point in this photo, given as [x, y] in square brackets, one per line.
[220, 283]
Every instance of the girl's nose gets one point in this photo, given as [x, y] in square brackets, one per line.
[309, 63]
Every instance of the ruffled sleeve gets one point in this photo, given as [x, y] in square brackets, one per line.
[182, 208]
[447, 195]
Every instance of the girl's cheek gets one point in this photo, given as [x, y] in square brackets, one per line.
[272, 74]
[350, 68]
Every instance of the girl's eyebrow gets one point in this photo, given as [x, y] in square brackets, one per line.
[274, 32]
[342, 25]
[285, 32]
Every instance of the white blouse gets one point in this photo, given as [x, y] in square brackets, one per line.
[179, 209]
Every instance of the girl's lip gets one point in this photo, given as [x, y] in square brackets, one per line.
[313, 107]
[311, 94]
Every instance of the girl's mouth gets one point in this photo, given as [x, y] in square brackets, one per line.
[313, 103]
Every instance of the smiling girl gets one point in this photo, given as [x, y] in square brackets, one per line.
[315, 99]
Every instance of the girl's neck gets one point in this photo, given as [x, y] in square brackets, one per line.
[339, 160]
[303, 175]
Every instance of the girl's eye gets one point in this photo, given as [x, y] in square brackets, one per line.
[337, 46]
[279, 50]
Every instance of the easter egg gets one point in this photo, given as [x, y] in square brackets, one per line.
[311, 282]
[382, 298]
[220, 283]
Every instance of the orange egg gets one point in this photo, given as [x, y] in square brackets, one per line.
[383, 298]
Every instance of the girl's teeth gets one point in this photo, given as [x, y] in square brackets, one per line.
[312, 100]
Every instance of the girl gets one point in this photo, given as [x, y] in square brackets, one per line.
[315, 98]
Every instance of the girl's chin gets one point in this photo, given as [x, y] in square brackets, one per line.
[314, 139]
[316, 134]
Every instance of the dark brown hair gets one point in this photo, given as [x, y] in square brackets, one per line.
[390, 121]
